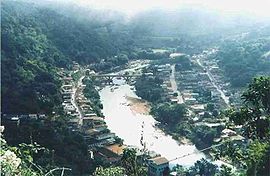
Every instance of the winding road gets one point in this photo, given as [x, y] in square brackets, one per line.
[174, 85]
[210, 76]
[75, 92]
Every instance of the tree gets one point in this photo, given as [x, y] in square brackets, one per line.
[33, 48]
[115, 171]
[122, 59]
[184, 128]
[168, 113]
[202, 168]
[255, 114]
[215, 113]
[20, 160]
[257, 160]
[180, 170]
[225, 171]
[242, 59]
[66, 147]
[206, 115]
[130, 162]
[149, 88]
[203, 136]
[210, 107]
[182, 63]
[257, 95]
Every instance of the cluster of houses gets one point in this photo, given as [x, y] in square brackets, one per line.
[198, 90]
[84, 119]
[164, 72]
[17, 118]
[188, 82]
[92, 126]
[68, 91]
[211, 64]
[68, 94]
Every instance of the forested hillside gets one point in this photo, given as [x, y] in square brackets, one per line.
[243, 58]
[37, 39]
[189, 66]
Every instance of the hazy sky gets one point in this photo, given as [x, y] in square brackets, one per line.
[256, 7]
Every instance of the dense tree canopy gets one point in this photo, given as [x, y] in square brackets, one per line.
[66, 148]
[169, 113]
[255, 115]
[116, 171]
[36, 39]
[241, 60]
[149, 88]
[28, 81]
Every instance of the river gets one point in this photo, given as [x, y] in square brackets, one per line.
[128, 125]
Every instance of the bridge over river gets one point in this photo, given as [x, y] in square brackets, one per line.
[108, 78]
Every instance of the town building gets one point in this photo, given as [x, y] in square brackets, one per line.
[158, 166]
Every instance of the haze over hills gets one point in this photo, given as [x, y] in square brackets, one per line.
[186, 68]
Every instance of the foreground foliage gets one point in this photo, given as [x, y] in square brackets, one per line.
[19, 161]
[129, 165]
[64, 148]
[254, 116]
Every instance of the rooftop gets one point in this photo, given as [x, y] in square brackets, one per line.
[116, 148]
[159, 160]
[228, 131]
[198, 107]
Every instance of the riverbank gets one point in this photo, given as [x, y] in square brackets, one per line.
[138, 105]
[131, 126]
[175, 118]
